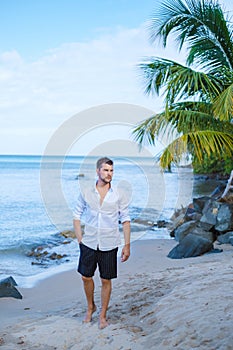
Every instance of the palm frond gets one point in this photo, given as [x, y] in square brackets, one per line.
[223, 104]
[174, 152]
[202, 142]
[201, 24]
[194, 116]
[179, 81]
[146, 130]
[210, 142]
[212, 45]
[149, 130]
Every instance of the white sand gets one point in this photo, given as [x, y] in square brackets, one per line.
[157, 303]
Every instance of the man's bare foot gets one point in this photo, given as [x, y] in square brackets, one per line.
[103, 323]
[89, 314]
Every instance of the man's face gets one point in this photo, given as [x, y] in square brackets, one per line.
[105, 173]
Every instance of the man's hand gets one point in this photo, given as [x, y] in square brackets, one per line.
[78, 230]
[125, 253]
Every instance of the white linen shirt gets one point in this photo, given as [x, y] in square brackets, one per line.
[101, 220]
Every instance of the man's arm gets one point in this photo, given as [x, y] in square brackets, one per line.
[126, 249]
[78, 230]
[78, 211]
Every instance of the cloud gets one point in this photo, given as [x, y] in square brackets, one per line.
[41, 94]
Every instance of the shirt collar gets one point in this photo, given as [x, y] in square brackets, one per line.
[94, 189]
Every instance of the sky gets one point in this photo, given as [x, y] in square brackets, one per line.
[59, 58]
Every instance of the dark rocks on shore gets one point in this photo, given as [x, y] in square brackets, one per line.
[207, 220]
[191, 245]
[7, 288]
[226, 238]
[68, 234]
[79, 175]
[42, 256]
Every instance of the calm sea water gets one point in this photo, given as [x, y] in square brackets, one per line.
[38, 196]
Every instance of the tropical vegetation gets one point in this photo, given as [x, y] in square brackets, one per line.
[198, 95]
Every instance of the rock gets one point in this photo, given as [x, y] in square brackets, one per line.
[55, 256]
[38, 252]
[176, 222]
[193, 227]
[200, 231]
[217, 215]
[79, 175]
[225, 238]
[43, 257]
[199, 203]
[190, 246]
[224, 218]
[181, 231]
[7, 288]
[198, 225]
[161, 223]
[206, 226]
[210, 212]
[194, 216]
[68, 234]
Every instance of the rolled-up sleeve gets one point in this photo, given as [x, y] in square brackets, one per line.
[123, 208]
[79, 208]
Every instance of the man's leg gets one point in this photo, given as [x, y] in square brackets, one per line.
[105, 297]
[86, 267]
[89, 287]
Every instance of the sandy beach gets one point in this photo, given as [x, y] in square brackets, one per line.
[156, 303]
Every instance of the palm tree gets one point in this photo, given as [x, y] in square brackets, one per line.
[199, 95]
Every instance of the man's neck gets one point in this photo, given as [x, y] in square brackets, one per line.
[103, 185]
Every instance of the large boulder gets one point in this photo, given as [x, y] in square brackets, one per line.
[200, 231]
[181, 231]
[190, 246]
[7, 288]
[194, 227]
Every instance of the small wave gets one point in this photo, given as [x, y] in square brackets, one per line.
[23, 247]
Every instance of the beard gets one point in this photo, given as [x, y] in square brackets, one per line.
[106, 180]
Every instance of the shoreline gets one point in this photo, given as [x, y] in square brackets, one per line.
[156, 301]
[15, 257]
[29, 281]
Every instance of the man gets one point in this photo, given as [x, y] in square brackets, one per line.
[103, 206]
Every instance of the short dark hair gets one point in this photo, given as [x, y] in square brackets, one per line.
[103, 160]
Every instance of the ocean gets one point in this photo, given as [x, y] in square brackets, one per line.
[38, 196]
